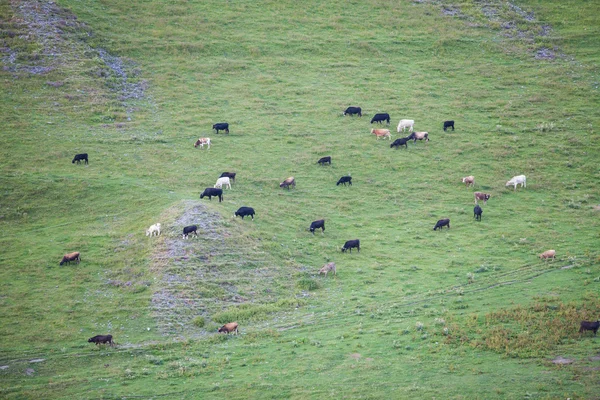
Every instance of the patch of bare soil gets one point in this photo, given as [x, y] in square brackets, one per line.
[58, 41]
[562, 361]
[200, 276]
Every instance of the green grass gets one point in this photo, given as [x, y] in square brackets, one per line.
[469, 312]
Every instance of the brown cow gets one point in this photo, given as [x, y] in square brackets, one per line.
[419, 136]
[482, 196]
[385, 133]
[202, 141]
[548, 254]
[67, 258]
[228, 328]
[469, 180]
[328, 267]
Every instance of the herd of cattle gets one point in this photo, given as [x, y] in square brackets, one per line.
[226, 179]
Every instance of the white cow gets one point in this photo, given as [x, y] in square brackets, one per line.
[406, 123]
[223, 181]
[202, 141]
[154, 229]
[516, 180]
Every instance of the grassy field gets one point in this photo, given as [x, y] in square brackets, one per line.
[469, 312]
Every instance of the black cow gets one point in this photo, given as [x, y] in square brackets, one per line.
[345, 179]
[101, 339]
[230, 175]
[324, 160]
[190, 229]
[400, 142]
[210, 192]
[221, 126]
[350, 244]
[381, 117]
[477, 211]
[79, 157]
[441, 223]
[448, 124]
[316, 225]
[244, 212]
[353, 110]
[589, 326]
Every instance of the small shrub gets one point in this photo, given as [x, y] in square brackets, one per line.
[419, 326]
[198, 322]
[308, 284]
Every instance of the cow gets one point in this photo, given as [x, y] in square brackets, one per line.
[469, 180]
[221, 126]
[210, 192]
[328, 267]
[67, 258]
[516, 180]
[101, 339]
[79, 157]
[202, 141]
[316, 225]
[230, 175]
[350, 244]
[154, 229]
[353, 110]
[381, 133]
[406, 123]
[324, 160]
[589, 326]
[243, 212]
[345, 179]
[288, 182]
[482, 196]
[189, 230]
[400, 142]
[448, 124]
[228, 328]
[548, 254]
[419, 136]
[223, 181]
[381, 117]
[441, 223]
[477, 211]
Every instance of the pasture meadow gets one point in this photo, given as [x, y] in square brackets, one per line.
[466, 312]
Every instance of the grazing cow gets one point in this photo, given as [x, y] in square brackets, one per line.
[328, 267]
[210, 192]
[400, 142]
[381, 133]
[101, 339]
[324, 160]
[441, 223]
[548, 254]
[228, 328]
[448, 124]
[406, 123]
[79, 157]
[223, 181]
[189, 230]
[589, 326]
[381, 117]
[516, 180]
[67, 258]
[154, 229]
[222, 126]
[316, 225]
[345, 179]
[353, 110]
[477, 211]
[419, 136]
[244, 211]
[350, 244]
[288, 182]
[482, 196]
[469, 180]
[202, 141]
[230, 175]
